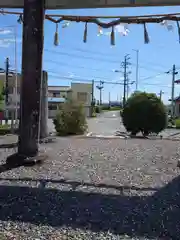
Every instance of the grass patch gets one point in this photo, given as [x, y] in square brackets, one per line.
[108, 108]
[177, 123]
[6, 129]
[5, 126]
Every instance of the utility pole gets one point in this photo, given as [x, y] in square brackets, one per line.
[92, 98]
[109, 99]
[100, 87]
[125, 65]
[127, 88]
[160, 94]
[124, 92]
[137, 67]
[7, 89]
[172, 91]
[137, 70]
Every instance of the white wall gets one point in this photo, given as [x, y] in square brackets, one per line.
[177, 112]
[61, 94]
[82, 87]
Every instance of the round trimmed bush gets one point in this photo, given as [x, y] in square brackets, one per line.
[144, 112]
[70, 120]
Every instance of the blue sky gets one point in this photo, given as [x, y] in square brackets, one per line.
[97, 59]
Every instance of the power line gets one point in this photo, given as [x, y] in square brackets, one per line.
[154, 76]
[105, 82]
[125, 65]
[81, 79]
[80, 67]
[97, 77]
[147, 68]
[155, 64]
[96, 59]
[88, 51]
[157, 75]
[109, 55]
[79, 56]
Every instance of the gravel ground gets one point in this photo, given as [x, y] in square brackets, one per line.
[94, 189]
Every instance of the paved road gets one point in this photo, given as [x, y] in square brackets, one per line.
[106, 124]
[110, 122]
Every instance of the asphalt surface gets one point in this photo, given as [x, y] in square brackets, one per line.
[106, 124]
[109, 122]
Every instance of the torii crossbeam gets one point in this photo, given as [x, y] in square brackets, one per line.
[74, 4]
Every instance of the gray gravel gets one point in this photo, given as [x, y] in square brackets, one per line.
[94, 189]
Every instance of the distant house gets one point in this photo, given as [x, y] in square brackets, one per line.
[79, 92]
[54, 105]
[57, 95]
[177, 106]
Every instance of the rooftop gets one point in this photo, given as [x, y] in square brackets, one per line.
[177, 98]
[59, 88]
[56, 100]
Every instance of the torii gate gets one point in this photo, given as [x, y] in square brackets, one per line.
[33, 25]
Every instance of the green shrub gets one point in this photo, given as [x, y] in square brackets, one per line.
[115, 108]
[5, 126]
[177, 123]
[94, 115]
[171, 122]
[97, 109]
[144, 112]
[6, 129]
[70, 120]
[105, 107]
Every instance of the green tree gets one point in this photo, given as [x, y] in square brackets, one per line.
[144, 112]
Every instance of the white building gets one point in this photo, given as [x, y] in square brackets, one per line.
[13, 98]
[80, 92]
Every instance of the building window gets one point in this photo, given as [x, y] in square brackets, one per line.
[82, 96]
[10, 90]
[56, 94]
[52, 107]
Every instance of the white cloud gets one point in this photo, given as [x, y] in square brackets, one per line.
[12, 40]
[70, 75]
[4, 44]
[5, 31]
[7, 42]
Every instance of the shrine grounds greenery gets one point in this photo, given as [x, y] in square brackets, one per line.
[145, 113]
[70, 120]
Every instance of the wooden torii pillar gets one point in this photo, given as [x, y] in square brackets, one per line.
[33, 37]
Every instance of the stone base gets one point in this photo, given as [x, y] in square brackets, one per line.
[21, 160]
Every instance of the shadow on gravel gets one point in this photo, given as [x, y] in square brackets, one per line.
[6, 167]
[156, 216]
